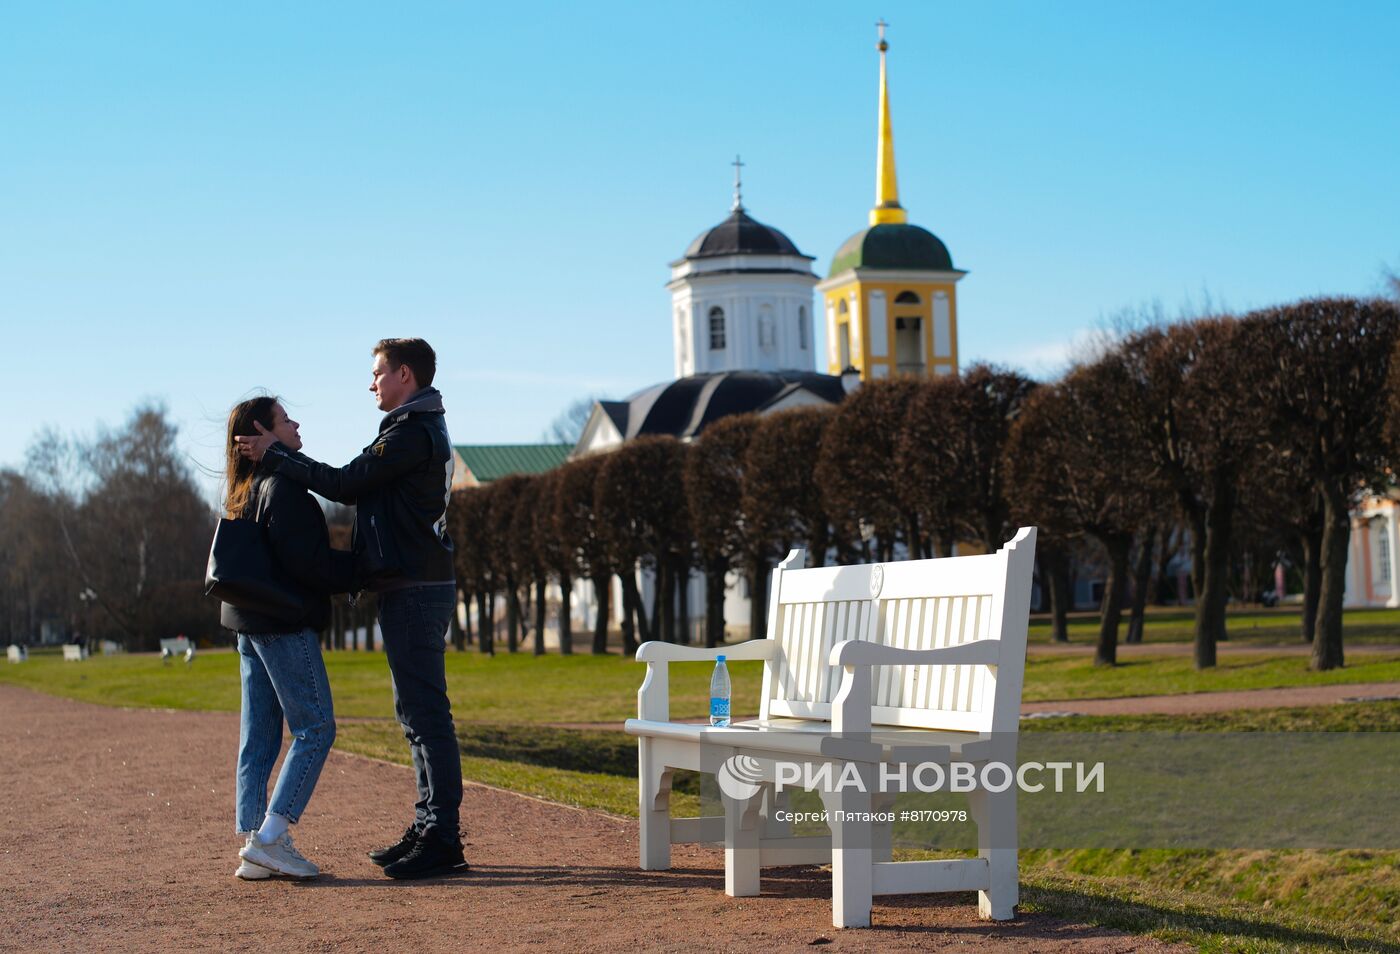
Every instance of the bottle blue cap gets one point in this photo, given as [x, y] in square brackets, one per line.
[719, 659]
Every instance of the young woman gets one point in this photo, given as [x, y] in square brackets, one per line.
[280, 661]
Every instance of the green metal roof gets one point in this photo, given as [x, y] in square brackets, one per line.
[892, 246]
[488, 462]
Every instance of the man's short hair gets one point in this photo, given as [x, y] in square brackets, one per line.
[414, 352]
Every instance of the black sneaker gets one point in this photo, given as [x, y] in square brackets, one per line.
[392, 853]
[428, 858]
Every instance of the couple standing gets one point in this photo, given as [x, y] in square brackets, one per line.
[399, 485]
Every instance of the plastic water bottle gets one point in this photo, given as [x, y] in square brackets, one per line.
[719, 694]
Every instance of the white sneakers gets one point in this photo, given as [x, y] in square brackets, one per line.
[281, 857]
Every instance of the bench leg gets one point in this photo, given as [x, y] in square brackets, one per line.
[995, 815]
[654, 808]
[852, 877]
[742, 827]
[775, 801]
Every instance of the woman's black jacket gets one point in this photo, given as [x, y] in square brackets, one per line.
[301, 547]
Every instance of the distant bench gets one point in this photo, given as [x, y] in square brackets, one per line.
[17, 654]
[179, 646]
[74, 653]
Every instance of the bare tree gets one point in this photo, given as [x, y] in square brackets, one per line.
[857, 470]
[568, 427]
[576, 522]
[1072, 459]
[714, 488]
[133, 524]
[782, 496]
[1324, 384]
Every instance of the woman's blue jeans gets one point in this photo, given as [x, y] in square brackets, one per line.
[283, 676]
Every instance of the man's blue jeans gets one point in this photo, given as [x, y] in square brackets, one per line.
[283, 676]
[414, 624]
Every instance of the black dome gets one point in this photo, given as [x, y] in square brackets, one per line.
[685, 407]
[741, 235]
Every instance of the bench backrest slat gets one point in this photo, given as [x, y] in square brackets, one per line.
[916, 604]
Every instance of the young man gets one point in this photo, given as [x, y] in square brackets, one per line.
[400, 485]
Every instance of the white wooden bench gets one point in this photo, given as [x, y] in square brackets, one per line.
[870, 666]
[16, 654]
[73, 653]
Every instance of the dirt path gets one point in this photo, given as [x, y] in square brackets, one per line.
[1085, 647]
[116, 835]
[1198, 703]
[1190, 703]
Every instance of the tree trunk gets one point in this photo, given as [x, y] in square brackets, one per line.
[486, 624]
[1214, 582]
[1061, 596]
[602, 592]
[1312, 579]
[513, 614]
[540, 608]
[1106, 652]
[467, 634]
[454, 625]
[714, 603]
[664, 612]
[1142, 580]
[1336, 536]
[816, 547]
[1042, 568]
[566, 613]
[683, 603]
[758, 599]
[1165, 551]
[633, 613]
[1197, 516]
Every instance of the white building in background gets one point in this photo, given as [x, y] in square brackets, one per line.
[741, 299]
[742, 325]
[1375, 539]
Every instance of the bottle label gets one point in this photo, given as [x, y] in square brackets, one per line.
[719, 707]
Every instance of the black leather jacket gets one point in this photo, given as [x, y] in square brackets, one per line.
[296, 534]
[399, 485]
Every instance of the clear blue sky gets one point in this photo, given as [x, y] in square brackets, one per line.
[200, 199]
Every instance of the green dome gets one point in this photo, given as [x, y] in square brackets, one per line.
[894, 247]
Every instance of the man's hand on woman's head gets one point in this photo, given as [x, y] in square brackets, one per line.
[254, 448]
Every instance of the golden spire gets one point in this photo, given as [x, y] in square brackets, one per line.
[887, 208]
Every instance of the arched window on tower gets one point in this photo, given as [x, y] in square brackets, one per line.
[907, 298]
[908, 334]
[802, 327]
[716, 329]
[843, 335]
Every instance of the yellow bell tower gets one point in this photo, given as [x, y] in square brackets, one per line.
[890, 297]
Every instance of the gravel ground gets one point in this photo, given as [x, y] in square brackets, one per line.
[116, 834]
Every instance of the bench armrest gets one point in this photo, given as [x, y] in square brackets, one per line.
[654, 651]
[850, 710]
[859, 652]
[654, 697]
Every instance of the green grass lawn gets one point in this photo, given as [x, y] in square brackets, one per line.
[1252, 625]
[526, 689]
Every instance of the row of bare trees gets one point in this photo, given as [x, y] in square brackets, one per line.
[1272, 426]
[105, 536]
[1249, 440]
[907, 464]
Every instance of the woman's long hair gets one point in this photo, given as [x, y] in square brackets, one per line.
[239, 470]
